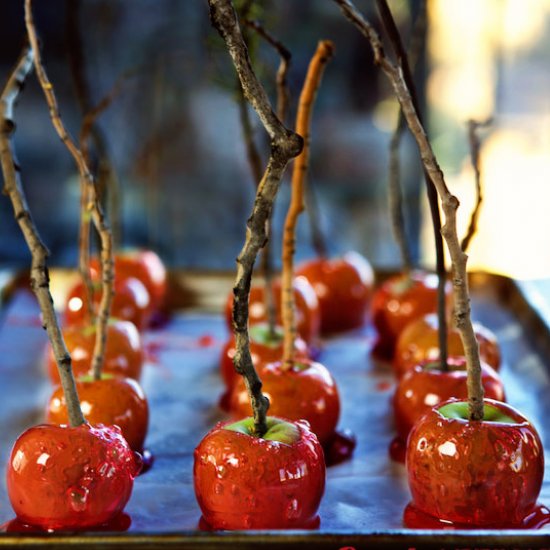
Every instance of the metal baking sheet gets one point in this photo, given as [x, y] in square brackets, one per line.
[364, 497]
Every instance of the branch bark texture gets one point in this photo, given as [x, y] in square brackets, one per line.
[449, 203]
[39, 270]
[285, 145]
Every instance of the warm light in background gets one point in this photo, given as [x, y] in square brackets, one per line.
[475, 47]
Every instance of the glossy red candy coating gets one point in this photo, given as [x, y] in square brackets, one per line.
[144, 265]
[123, 353]
[131, 302]
[419, 343]
[308, 314]
[70, 478]
[261, 353]
[398, 301]
[306, 391]
[421, 388]
[479, 474]
[344, 288]
[244, 482]
[109, 401]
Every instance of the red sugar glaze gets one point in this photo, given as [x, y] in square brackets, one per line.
[340, 447]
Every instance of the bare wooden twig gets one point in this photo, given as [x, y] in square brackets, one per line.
[95, 209]
[403, 63]
[312, 82]
[395, 194]
[449, 203]
[39, 269]
[285, 145]
[475, 146]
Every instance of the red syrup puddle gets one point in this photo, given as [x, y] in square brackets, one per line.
[414, 518]
[340, 448]
[120, 523]
[398, 449]
[147, 459]
[384, 386]
[310, 525]
[25, 321]
[225, 401]
[154, 347]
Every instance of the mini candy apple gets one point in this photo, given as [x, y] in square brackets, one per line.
[418, 343]
[131, 302]
[397, 302]
[481, 473]
[344, 288]
[308, 314]
[123, 353]
[109, 401]
[306, 391]
[144, 265]
[62, 477]
[425, 386]
[271, 482]
[264, 348]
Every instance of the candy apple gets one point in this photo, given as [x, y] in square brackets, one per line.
[62, 477]
[418, 343]
[271, 482]
[265, 347]
[425, 386]
[110, 401]
[131, 302]
[306, 391]
[397, 302]
[144, 265]
[308, 314]
[485, 474]
[123, 353]
[344, 288]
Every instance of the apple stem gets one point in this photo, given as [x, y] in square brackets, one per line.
[39, 279]
[475, 147]
[399, 51]
[395, 195]
[312, 82]
[449, 203]
[285, 145]
[94, 206]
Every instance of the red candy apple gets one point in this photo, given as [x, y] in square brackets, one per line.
[270, 482]
[485, 474]
[425, 386]
[131, 302]
[144, 265]
[397, 302]
[343, 287]
[419, 343]
[306, 391]
[123, 353]
[308, 314]
[109, 401]
[61, 477]
[264, 348]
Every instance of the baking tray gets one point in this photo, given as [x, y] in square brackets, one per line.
[364, 498]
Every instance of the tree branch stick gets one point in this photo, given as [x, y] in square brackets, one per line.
[95, 207]
[403, 63]
[285, 145]
[449, 202]
[475, 146]
[39, 270]
[312, 82]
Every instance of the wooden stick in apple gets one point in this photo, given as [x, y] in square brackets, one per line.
[94, 206]
[397, 46]
[449, 203]
[285, 145]
[39, 270]
[312, 82]
[475, 147]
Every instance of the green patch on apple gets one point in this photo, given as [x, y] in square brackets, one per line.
[459, 410]
[277, 429]
[262, 334]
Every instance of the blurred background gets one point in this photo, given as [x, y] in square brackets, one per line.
[172, 146]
